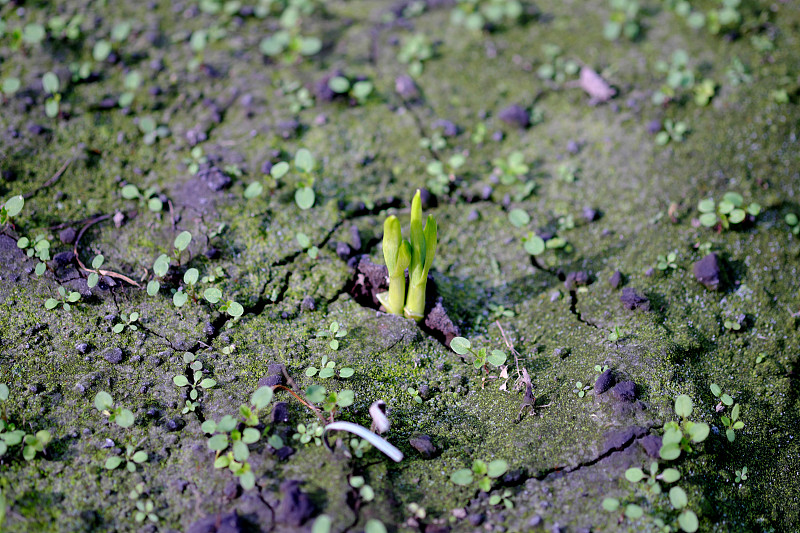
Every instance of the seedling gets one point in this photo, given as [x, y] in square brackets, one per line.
[704, 92]
[132, 458]
[11, 209]
[497, 312]
[288, 44]
[724, 399]
[554, 68]
[51, 86]
[151, 131]
[581, 389]
[679, 78]
[666, 262]
[414, 394]
[225, 433]
[624, 20]
[190, 279]
[669, 475]
[423, 247]
[305, 244]
[105, 404]
[305, 163]
[309, 433]
[160, 269]
[39, 248]
[741, 475]
[567, 173]
[181, 243]
[673, 131]
[65, 299]
[359, 91]
[443, 174]
[519, 218]
[477, 14]
[504, 498]
[793, 222]
[600, 368]
[512, 169]
[731, 210]
[397, 254]
[145, 510]
[234, 309]
[327, 369]
[732, 423]
[126, 320]
[414, 52]
[149, 197]
[364, 491]
[615, 334]
[197, 382]
[332, 401]
[335, 333]
[678, 437]
[359, 446]
[94, 277]
[732, 324]
[11, 436]
[484, 472]
[462, 346]
[276, 172]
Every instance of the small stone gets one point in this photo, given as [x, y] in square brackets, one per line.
[449, 129]
[651, 445]
[308, 304]
[536, 521]
[561, 353]
[515, 115]
[404, 86]
[83, 348]
[604, 382]
[707, 271]
[209, 329]
[616, 279]
[67, 235]
[295, 507]
[459, 513]
[573, 147]
[63, 259]
[218, 523]
[270, 381]
[113, 355]
[232, 490]
[473, 216]
[625, 391]
[174, 424]
[476, 519]
[343, 250]
[633, 300]
[576, 279]
[355, 238]
[280, 413]
[215, 179]
[212, 253]
[284, 453]
[590, 214]
[424, 445]
[649, 272]
[654, 126]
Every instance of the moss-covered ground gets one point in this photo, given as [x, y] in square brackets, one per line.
[596, 178]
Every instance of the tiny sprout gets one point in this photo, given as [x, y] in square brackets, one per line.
[181, 243]
[149, 197]
[723, 398]
[327, 370]
[486, 472]
[580, 389]
[615, 334]
[741, 475]
[144, 507]
[127, 320]
[11, 208]
[105, 404]
[731, 210]
[335, 333]
[196, 368]
[462, 346]
[732, 325]
[678, 437]
[131, 459]
[732, 423]
[666, 262]
[308, 433]
[794, 223]
[365, 491]
[305, 244]
[600, 369]
[94, 277]
[503, 498]
[66, 298]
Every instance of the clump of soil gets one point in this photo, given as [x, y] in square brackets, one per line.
[370, 279]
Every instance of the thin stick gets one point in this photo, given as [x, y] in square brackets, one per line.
[51, 181]
[108, 273]
[509, 345]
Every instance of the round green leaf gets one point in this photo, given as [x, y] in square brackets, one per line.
[118, 328]
[688, 521]
[303, 240]
[103, 401]
[339, 84]
[304, 161]
[208, 383]
[497, 468]
[462, 476]
[14, 205]
[50, 83]
[130, 192]
[534, 245]
[683, 406]
[736, 216]
[715, 390]
[304, 198]
[253, 190]
[191, 276]
[182, 240]
[112, 463]
[212, 295]
[155, 205]
[97, 262]
[708, 219]
[279, 170]
[610, 504]
[3, 392]
[139, 457]
[310, 46]
[218, 442]
[261, 397]
[125, 418]
[161, 265]
[670, 475]
[497, 357]
[326, 373]
[240, 451]
[250, 435]
[699, 432]
[678, 498]
[179, 299]
[634, 475]
[101, 50]
[209, 426]
[180, 380]
[235, 309]
[633, 511]
[670, 452]
[731, 434]
[460, 345]
[322, 524]
[518, 218]
[10, 86]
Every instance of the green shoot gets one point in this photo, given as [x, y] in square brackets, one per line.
[397, 254]
[423, 247]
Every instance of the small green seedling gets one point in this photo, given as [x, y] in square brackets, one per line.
[359, 91]
[181, 244]
[94, 277]
[197, 381]
[105, 404]
[512, 169]
[65, 299]
[359, 446]
[11, 436]
[397, 255]
[364, 491]
[732, 324]
[615, 334]
[462, 346]
[52, 87]
[476, 15]
[581, 389]
[160, 269]
[666, 262]
[305, 164]
[126, 320]
[669, 475]
[414, 394]
[309, 433]
[678, 437]
[335, 333]
[732, 423]
[484, 472]
[497, 311]
[332, 400]
[724, 399]
[11, 208]
[504, 498]
[741, 475]
[793, 222]
[731, 210]
[673, 131]
[327, 369]
[150, 197]
[39, 248]
[443, 174]
[305, 244]
[180, 297]
[624, 20]
[415, 50]
[600, 368]
[145, 509]
[234, 309]
[132, 458]
[225, 433]
[277, 171]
